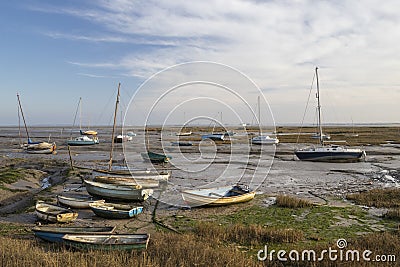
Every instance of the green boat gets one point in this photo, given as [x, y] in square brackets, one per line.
[107, 241]
[155, 157]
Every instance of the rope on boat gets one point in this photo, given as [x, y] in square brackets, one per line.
[154, 219]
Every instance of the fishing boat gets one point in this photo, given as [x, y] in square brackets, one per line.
[81, 202]
[328, 152]
[155, 157]
[115, 211]
[123, 180]
[53, 213]
[35, 147]
[214, 136]
[218, 196]
[263, 139]
[107, 241]
[119, 192]
[55, 234]
[86, 138]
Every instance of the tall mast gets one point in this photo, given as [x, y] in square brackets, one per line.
[80, 113]
[319, 109]
[23, 118]
[259, 114]
[113, 131]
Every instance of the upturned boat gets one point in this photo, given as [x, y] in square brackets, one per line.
[107, 241]
[55, 234]
[53, 213]
[115, 211]
[217, 196]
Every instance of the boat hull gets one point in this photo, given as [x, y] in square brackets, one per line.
[107, 242]
[320, 156]
[115, 211]
[118, 192]
[77, 203]
[55, 234]
[155, 157]
[215, 197]
[53, 213]
[120, 180]
[134, 174]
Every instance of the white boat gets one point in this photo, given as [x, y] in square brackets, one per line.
[122, 138]
[127, 180]
[184, 133]
[134, 174]
[328, 153]
[86, 138]
[264, 140]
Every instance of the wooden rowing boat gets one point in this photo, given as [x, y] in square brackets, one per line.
[53, 213]
[55, 234]
[218, 196]
[107, 242]
[119, 192]
[81, 202]
[121, 180]
[115, 211]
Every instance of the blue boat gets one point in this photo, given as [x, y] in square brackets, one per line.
[55, 234]
[115, 211]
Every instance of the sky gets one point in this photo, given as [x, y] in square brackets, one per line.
[54, 52]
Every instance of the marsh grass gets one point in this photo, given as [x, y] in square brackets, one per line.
[246, 234]
[285, 201]
[393, 214]
[380, 198]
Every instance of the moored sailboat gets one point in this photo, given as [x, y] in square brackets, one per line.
[328, 152]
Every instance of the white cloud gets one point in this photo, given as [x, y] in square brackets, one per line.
[277, 43]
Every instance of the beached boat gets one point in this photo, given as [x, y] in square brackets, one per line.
[53, 213]
[119, 192]
[134, 174]
[181, 143]
[55, 234]
[115, 211]
[328, 153]
[83, 140]
[81, 202]
[264, 140]
[218, 196]
[122, 138]
[35, 147]
[107, 242]
[122, 180]
[184, 133]
[88, 137]
[155, 157]
[214, 136]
